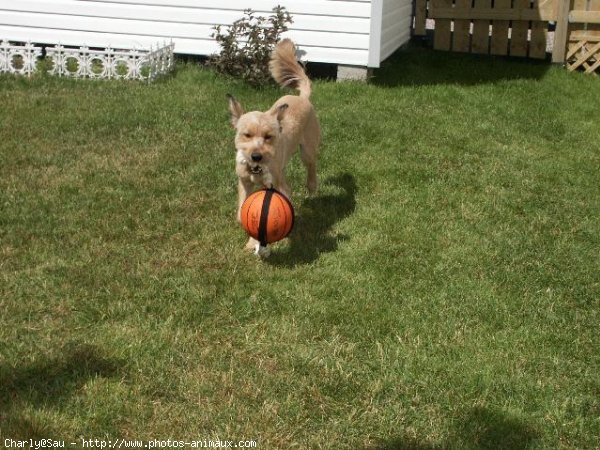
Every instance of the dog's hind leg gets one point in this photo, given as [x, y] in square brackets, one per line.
[308, 152]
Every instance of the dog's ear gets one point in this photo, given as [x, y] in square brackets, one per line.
[280, 111]
[236, 110]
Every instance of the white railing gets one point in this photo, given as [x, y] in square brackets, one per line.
[19, 59]
[83, 62]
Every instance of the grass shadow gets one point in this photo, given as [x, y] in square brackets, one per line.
[46, 383]
[484, 428]
[418, 65]
[314, 219]
[478, 429]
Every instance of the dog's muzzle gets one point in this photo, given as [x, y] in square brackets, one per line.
[255, 169]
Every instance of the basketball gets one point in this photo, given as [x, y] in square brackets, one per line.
[268, 216]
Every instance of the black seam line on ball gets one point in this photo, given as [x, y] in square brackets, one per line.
[264, 216]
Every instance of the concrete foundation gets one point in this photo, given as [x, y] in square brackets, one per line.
[353, 73]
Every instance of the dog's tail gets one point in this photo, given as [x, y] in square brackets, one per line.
[286, 70]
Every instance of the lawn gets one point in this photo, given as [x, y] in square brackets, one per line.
[441, 290]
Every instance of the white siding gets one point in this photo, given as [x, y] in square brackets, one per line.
[395, 26]
[390, 28]
[334, 31]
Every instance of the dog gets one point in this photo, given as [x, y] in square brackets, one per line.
[265, 141]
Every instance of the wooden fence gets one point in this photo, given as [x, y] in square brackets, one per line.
[583, 41]
[522, 28]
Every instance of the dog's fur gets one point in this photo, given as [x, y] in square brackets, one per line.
[265, 141]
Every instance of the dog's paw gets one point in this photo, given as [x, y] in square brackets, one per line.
[261, 251]
[251, 245]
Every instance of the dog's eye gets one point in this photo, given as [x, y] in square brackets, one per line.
[247, 135]
[268, 138]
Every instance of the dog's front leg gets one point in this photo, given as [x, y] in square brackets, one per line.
[280, 183]
[244, 190]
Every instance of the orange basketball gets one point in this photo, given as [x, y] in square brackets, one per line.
[267, 216]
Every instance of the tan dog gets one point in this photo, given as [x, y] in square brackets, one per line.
[265, 141]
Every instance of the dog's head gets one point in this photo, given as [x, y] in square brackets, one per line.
[256, 135]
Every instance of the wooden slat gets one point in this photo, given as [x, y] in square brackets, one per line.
[561, 32]
[575, 48]
[520, 28]
[420, 17]
[572, 48]
[499, 44]
[529, 20]
[584, 17]
[584, 38]
[585, 35]
[481, 29]
[539, 35]
[594, 29]
[442, 36]
[583, 57]
[594, 67]
[578, 5]
[462, 29]
[545, 13]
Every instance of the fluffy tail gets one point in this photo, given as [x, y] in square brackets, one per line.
[286, 70]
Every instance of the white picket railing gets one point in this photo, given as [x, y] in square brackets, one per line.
[19, 59]
[83, 62]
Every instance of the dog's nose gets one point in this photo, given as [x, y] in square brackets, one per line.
[256, 157]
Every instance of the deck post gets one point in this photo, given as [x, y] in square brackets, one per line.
[561, 33]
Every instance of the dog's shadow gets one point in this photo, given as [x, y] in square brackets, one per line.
[315, 217]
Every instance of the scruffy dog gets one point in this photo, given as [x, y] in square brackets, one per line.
[265, 141]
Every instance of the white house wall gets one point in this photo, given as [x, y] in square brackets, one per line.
[395, 26]
[390, 28]
[333, 31]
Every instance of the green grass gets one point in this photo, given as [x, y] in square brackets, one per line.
[441, 291]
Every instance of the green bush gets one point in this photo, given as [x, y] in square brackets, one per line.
[246, 45]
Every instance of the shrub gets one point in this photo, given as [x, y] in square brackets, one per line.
[246, 45]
